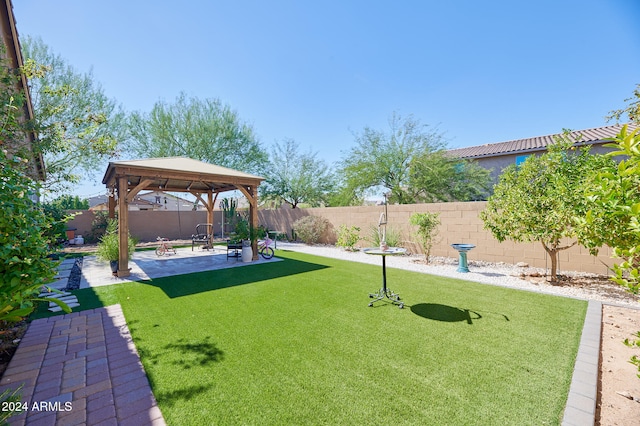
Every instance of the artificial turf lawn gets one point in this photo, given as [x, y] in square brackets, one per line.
[294, 342]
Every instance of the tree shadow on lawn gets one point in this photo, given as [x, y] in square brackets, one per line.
[445, 313]
[198, 282]
[185, 353]
[174, 397]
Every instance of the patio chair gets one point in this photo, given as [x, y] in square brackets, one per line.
[234, 249]
[203, 235]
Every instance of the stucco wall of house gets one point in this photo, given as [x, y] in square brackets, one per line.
[498, 163]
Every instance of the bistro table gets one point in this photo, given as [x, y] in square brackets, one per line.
[384, 292]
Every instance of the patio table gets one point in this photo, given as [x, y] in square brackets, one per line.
[384, 292]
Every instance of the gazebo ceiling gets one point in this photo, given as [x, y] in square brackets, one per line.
[177, 174]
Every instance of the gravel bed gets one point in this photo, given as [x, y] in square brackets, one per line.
[572, 284]
[76, 275]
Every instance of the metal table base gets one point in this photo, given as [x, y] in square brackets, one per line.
[384, 294]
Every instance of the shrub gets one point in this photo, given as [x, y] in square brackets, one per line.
[24, 247]
[309, 229]
[98, 227]
[393, 237]
[348, 237]
[109, 245]
[427, 224]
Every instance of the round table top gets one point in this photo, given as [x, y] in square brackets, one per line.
[388, 252]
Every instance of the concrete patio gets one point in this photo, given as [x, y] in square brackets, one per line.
[147, 265]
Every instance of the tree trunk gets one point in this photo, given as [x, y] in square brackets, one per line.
[553, 254]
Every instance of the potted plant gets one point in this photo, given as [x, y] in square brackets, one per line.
[109, 246]
[247, 235]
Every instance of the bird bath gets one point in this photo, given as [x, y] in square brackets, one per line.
[462, 250]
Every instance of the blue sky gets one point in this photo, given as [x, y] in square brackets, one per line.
[317, 72]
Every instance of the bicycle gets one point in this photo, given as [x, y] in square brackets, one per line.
[164, 247]
[264, 248]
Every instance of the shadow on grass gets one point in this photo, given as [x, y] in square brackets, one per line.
[184, 353]
[201, 353]
[188, 284]
[172, 398]
[437, 312]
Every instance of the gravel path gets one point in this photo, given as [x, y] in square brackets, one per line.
[581, 286]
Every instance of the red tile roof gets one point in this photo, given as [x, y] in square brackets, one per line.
[539, 143]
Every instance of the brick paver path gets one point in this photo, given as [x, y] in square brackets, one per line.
[81, 368]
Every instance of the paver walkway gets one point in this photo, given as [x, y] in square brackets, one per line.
[81, 368]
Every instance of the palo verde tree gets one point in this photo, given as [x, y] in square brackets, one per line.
[437, 177]
[294, 177]
[202, 129]
[78, 126]
[540, 199]
[384, 158]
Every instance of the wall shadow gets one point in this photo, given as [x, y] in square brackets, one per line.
[437, 312]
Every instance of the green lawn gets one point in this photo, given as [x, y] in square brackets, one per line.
[294, 342]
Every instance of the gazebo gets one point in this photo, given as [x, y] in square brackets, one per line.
[125, 179]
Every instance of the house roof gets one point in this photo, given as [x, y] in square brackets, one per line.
[538, 143]
[178, 174]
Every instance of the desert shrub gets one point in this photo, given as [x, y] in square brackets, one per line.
[309, 229]
[427, 224]
[98, 227]
[393, 237]
[348, 237]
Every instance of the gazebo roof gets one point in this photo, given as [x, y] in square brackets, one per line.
[178, 174]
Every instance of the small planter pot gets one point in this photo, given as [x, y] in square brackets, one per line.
[114, 266]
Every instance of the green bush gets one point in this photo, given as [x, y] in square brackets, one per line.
[109, 245]
[98, 227]
[59, 218]
[348, 237]
[393, 237]
[427, 224]
[24, 245]
[310, 229]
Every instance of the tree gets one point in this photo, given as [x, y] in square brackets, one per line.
[540, 199]
[384, 158]
[70, 202]
[79, 127]
[632, 109]
[436, 177]
[296, 178]
[204, 130]
[23, 225]
[612, 219]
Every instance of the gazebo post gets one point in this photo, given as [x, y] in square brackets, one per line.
[123, 227]
[111, 203]
[253, 218]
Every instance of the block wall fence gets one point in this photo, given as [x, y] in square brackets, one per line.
[460, 223]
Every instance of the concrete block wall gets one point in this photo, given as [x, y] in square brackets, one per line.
[460, 223]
